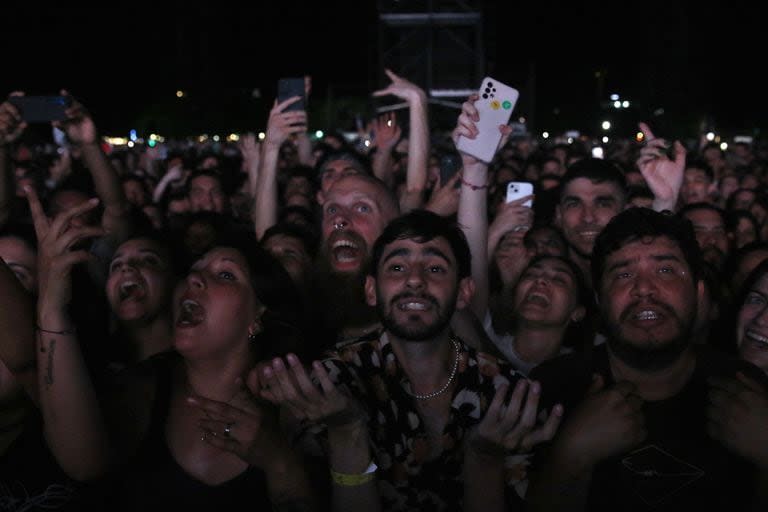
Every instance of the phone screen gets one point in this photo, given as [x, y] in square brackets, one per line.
[289, 87]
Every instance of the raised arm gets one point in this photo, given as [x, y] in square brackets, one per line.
[73, 424]
[418, 138]
[663, 175]
[386, 134]
[280, 126]
[11, 128]
[303, 143]
[473, 207]
[250, 149]
[81, 131]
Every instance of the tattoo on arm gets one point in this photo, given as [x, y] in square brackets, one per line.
[49, 369]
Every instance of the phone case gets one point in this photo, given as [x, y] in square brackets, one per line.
[289, 87]
[495, 106]
[41, 109]
[518, 189]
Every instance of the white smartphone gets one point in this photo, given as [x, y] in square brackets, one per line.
[518, 189]
[495, 106]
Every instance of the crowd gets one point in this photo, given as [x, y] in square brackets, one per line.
[313, 324]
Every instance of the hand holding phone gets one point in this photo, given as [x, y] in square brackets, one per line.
[495, 105]
[288, 88]
[518, 189]
[41, 109]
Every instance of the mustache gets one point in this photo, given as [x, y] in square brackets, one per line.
[348, 235]
[636, 306]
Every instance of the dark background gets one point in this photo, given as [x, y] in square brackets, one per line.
[703, 68]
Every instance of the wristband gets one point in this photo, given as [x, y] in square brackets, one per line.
[353, 480]
[472, 185]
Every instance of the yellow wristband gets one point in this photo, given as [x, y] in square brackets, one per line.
[352, 480]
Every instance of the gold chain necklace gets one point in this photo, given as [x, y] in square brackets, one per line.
[450, 378]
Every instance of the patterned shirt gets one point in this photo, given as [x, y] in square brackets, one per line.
[408, 479]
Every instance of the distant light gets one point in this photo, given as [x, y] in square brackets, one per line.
[319, 134]
[606, 125]
[544, 135]
[617, 104]
[710, 136]
[724, 146]
[639, 136]
[256, 93]
[132, 135]
[605, 140]
[262, 135]
[216, 138]
[367, 143]
[597, 152]
[180, 93]
[130, 143]
[202, 138]
[614, 97]
[152, 143]
[570, 140]
[233, 137]
[625, 104]
[522, 120]
[659, 111]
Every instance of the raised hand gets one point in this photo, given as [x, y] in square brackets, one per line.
[663, 175]
[249, 147]
[466, 126]
[78, 125]
[291, 386]
[513, 426]
[737, 416]
[401, 88]
[281, 125]
[386, 132]
[11, 124]
[58, 249]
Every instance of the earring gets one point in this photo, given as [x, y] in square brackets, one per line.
[254, 331]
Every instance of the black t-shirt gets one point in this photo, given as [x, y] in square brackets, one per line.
[678, 466]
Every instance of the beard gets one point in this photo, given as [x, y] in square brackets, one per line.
[415, 329]
[341, 296]
[653, 353]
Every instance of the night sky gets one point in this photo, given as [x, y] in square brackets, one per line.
[125, 61]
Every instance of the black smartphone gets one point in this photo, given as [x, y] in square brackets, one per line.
[41, 109]
[450, 164]
[289, 87]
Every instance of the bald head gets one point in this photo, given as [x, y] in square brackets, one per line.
[355, 211]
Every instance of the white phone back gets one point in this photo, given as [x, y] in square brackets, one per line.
[495, 106]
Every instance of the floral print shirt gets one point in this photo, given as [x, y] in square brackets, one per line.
[408, 479]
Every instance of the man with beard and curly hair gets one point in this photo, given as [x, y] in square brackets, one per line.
[413, 420]
[651, 418]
